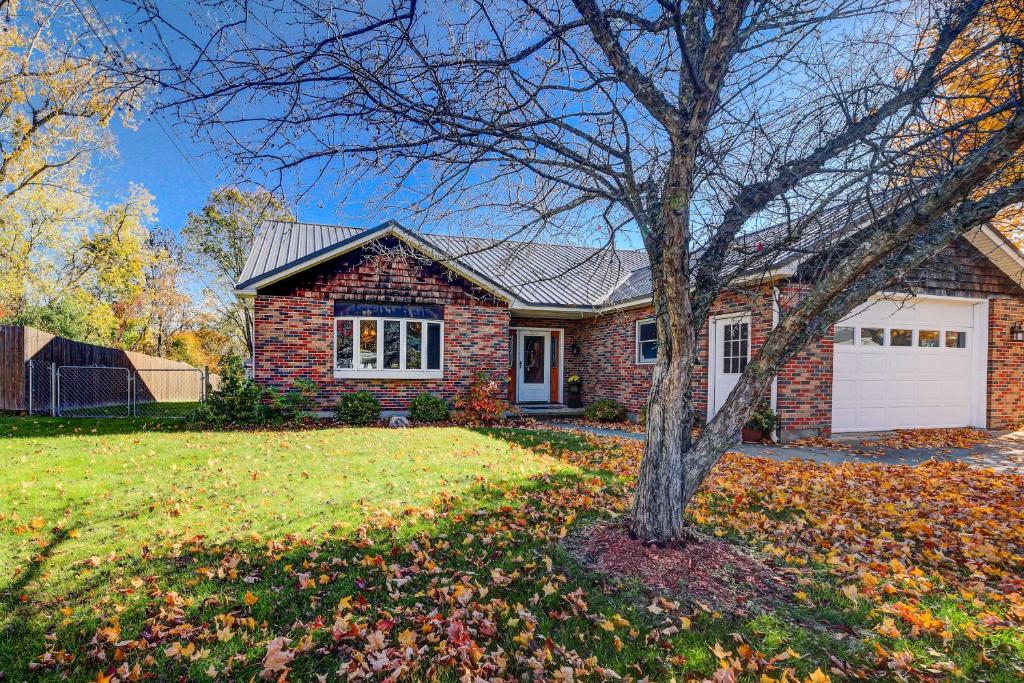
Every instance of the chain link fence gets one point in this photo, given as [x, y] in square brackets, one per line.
[93, 391]
[108, 391]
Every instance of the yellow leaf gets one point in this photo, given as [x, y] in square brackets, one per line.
[818, 677]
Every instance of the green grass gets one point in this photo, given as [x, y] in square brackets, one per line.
[106, 488]
[128, 538]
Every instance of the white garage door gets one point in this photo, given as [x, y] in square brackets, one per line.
[912, 363]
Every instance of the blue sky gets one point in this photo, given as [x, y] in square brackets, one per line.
[180, 176]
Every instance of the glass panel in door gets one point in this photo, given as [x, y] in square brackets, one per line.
[533, 359]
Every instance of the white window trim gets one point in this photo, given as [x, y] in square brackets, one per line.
[380, 372]
[636, 342]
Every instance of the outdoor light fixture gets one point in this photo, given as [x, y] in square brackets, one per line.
[575, 348]
[1017, 332]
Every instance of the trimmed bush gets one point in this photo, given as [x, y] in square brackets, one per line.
[605, 410]
[428, 408]
[300, 399]
[359, 408]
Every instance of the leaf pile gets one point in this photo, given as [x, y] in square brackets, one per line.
[965, 437]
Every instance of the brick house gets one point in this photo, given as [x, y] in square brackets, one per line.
[399, 313]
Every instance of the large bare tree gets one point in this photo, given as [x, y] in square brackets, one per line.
[685, 125]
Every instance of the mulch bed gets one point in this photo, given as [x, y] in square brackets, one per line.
[712, 574]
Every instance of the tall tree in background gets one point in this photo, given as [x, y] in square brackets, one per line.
[991, 48]
[684, 123]
[218, 238]
[56, 104]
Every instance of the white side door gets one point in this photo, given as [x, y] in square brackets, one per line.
[533, 374]
[728, 357]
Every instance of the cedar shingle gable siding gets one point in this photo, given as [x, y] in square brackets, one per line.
[961, 270]
[386, 271]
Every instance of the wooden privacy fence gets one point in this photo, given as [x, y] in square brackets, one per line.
[29, 359]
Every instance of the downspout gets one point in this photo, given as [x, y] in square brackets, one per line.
[776, 297]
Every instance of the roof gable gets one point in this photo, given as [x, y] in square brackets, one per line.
[522, 273]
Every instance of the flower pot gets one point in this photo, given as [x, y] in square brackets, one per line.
[752, 435]
[574, 400]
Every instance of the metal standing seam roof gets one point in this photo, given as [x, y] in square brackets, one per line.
[542, 274]
[538, 274]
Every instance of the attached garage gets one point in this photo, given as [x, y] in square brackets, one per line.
[910, 362]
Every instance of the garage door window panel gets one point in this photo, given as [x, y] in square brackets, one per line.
[843, 336]
[872, 336]
[956, 339]
[928, 339]
[901, 337]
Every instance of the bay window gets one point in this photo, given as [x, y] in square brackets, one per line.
[387, 347]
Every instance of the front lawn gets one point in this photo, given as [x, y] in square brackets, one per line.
[132, 550]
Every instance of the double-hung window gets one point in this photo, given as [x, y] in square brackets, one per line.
[646, 341]
[382, 346]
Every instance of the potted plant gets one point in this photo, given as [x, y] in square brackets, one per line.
[760, 425]
[574, 384]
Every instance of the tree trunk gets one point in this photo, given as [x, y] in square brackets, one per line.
[657, 514]
[660, 491]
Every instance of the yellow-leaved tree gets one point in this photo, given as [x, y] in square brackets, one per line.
[983, 78]
[57, 100]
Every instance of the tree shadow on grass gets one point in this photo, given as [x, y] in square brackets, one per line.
[215, 578]
[500, 540]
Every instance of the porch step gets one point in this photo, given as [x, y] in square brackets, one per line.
[547, 410]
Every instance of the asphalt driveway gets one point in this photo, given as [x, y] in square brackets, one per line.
[1004, 453]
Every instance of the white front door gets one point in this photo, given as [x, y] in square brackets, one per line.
[730, 353]
[905, 364]
[533, 375]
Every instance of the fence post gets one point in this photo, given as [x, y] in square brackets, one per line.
[53, 390]
[31, 364]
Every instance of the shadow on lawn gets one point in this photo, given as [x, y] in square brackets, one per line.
[211, 581]
[10, 593]
[394, 573]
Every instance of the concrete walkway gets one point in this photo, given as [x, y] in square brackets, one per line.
[1005, 453]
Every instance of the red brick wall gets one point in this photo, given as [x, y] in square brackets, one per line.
[1005, 365]
[804, 396]
[607, 361]
[294, 326]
